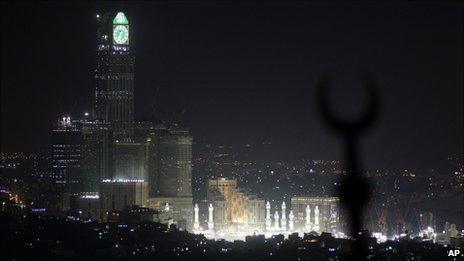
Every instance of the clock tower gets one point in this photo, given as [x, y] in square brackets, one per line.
[120, 30]
[114, 75]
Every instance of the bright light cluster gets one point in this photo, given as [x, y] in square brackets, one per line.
[123, 180]
[90, 196]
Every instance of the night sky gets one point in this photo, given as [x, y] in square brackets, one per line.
[239, 73]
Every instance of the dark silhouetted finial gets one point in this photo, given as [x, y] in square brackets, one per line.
[354, 190]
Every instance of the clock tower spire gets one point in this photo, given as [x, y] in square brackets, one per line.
[114, 75]
[120, 30]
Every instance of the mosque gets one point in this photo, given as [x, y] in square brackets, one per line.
[230, 213]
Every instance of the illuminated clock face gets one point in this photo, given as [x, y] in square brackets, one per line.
[120, 34]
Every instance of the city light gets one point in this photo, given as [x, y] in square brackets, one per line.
[90, 196]
[123, 180]
[207, 142]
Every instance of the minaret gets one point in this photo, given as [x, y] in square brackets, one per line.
[196, 224]
[210, 217]
[316, 219]
[268, 216]
[308, 218]
[276, 220]
[283, 222]
[290, 220]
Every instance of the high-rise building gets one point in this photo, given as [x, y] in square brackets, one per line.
[89, 206]
[170, 170]
[173, 177]
[96, 151]
[114, 74]
[81, 154]
[147, 133]
[129, 160]
[66, 155]
[121, 193]
[114, 148]
[114, 95]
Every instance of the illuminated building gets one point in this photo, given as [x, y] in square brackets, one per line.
[114, 148]
[136, 214]
[323, 211]
[114, 94]
[255, 212]
[168, 158]
[426, 220]
[220, 222]
[129, 160]
[225, 190]
[120, 193]
[233, 207]
[89, 206]
[224, 186]
[180, 209]
[114, 74]
[173, 177]
[66, 154]
[81, 154]
[146, 133]
[170, 172]
[96, 154]
[220, 211]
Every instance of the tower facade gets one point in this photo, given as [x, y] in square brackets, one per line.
[114, 75]
[96, 154]
[81, 154]
[174, 166]
[66, 155]
[169, 167]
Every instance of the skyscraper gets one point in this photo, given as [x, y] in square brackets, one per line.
[168, 152]
[174, 175]
[66, 155]
[114, 94]
[96, 154]
[114, 74]
[170, 174]
[112, 146]
[81, 154]
[129, 160]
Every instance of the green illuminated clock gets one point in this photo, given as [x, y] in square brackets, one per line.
[121, 34]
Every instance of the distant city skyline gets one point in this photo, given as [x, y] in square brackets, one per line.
[248, 76]
[203, 131]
